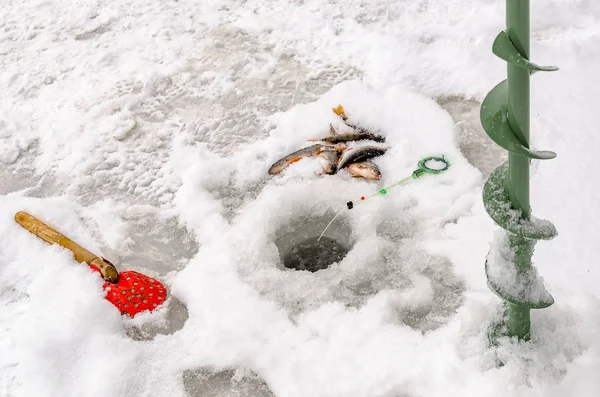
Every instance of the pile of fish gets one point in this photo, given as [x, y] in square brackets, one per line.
[334, 153]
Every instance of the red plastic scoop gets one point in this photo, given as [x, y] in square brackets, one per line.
[131, 292]
[134, 292]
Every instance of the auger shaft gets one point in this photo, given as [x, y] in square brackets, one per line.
[517, 23]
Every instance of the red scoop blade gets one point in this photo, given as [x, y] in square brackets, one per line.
[135, 292]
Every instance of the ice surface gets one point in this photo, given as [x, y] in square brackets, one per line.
[147, 326]
[144, 130]
[230, 383]
[474, 143]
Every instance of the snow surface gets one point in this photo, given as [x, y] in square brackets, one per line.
[144, 130]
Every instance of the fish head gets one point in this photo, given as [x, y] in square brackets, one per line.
[277, 167]
[364, 169]
[328, 161]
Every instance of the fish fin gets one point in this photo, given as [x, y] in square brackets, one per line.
[332, 130]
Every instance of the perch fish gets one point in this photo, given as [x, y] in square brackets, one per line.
[359, 154]
[291, 158]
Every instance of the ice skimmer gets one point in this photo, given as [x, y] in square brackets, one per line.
[131, 292]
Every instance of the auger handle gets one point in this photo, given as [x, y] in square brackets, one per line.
[51, 236]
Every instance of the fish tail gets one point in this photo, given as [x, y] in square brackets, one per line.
[340, 112]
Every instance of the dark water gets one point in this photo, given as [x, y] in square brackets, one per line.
[314, 255]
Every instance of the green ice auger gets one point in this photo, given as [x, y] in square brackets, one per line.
[505, 118]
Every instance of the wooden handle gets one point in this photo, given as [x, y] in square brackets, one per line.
[48, 234]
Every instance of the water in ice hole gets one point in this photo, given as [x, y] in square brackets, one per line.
[313, 254]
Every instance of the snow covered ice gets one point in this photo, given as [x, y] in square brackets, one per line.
[144, 131]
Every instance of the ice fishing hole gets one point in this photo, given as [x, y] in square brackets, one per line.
[313, 254]
[300, 248]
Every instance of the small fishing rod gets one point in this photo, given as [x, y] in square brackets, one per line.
[422, 169]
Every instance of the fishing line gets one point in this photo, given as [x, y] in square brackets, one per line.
[422, 169]
[327, 227]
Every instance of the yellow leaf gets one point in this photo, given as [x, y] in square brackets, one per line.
[340, 111]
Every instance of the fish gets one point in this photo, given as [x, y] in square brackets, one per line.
[329, 160]
[291, 158]
[365, 169]
[360, 153]
[351, 136]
